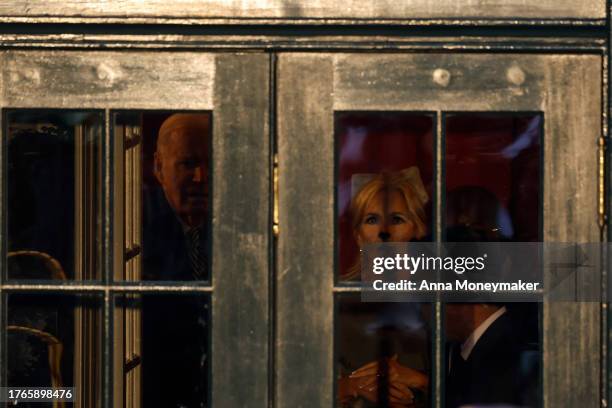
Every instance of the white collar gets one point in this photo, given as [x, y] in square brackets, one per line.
[470, 342]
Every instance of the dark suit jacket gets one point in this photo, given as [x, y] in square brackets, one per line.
[175, 344]
[165, 255]
[175, 351]
[501, 369]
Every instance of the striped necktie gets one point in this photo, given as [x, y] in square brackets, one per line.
[197, 260]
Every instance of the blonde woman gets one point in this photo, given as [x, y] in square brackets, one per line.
[387, 208]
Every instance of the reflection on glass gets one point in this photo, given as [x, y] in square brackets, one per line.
[377, 338]
[175, 195]
[54, 194]
[384, 181]
[54, 341]
[493, 174]
[492, 194]
[165, 355]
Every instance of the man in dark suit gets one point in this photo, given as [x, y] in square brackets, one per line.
[175, 363]
[492, 360]
[175, 214]
[494, 353]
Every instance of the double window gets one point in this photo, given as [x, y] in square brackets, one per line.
[189, 236]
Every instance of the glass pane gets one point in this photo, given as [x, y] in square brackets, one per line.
[393, 336]
[55, 340]
[493, 192]
[384, 181]
[381, 156]
[54, 194]
[167, 167]
[162, 350]
[493, 175]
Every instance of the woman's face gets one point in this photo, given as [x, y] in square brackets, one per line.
[385, 220]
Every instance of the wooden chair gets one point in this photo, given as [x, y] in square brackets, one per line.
[54, 270]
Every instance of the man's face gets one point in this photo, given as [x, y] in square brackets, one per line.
[181, 167]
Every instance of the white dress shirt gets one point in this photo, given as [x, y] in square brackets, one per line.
[470, 342]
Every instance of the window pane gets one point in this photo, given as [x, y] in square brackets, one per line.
[384, 183]
[167, 168]
[381, 152]
[162, 350]
[395, 334]
[493, 194]
[493, 174]
[55, 340]
[54, 194]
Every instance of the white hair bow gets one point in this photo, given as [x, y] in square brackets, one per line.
[411, 174]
